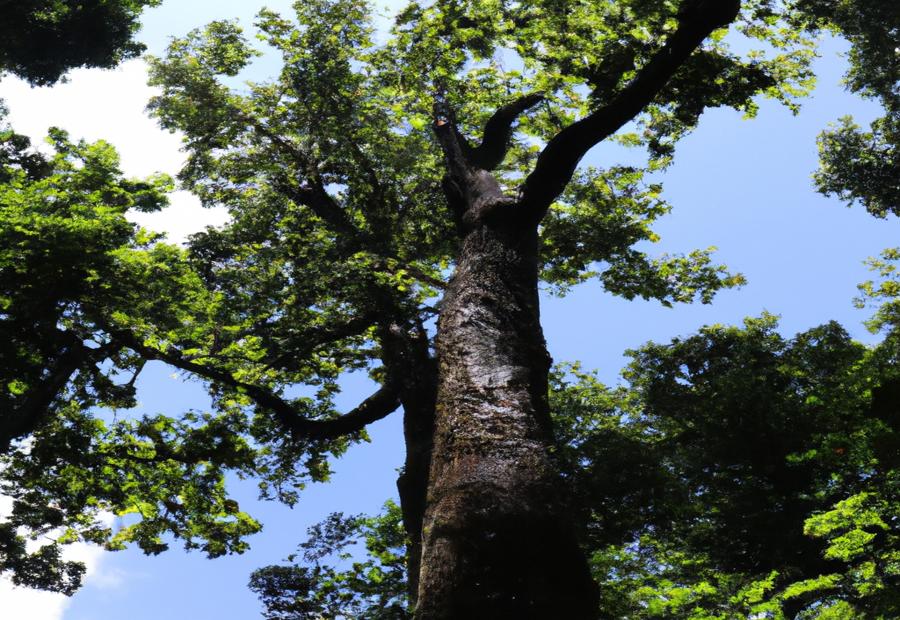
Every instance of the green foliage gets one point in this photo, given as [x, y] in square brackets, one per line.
[862, 166]
[858, 165]
[373, 589]
[43, 569]
[62, 231]
[590, 233]
[43, 39]
[884, 295]
[752, 436]
[161, 476]
[352, 117]
[581, 55]
[71, 266]
[861, 532]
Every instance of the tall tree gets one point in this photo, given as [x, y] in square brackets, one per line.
[373, 189]
[346, 161]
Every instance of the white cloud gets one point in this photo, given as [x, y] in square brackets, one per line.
[31, 604]
[20, 603]
[109, 105]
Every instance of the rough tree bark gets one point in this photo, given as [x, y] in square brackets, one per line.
[496, 543]
[495, 539]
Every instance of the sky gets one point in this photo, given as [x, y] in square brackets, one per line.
[741, 185]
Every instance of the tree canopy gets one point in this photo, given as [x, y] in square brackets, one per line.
[376, 186]
[857, 165]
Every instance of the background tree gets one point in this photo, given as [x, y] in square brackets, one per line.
[338, 176]
[373, 588]
[857, 165]
[43, 39]
[65, 254]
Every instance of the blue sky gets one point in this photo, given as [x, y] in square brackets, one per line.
[743, 186]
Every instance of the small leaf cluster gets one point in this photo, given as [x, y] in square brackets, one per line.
[858, 165]
[371, 589]
[156, 476]
[591, 233]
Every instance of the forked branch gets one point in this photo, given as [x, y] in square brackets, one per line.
[498, 131]
[557, 162]
[323, 205]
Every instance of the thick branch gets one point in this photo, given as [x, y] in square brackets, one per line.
[472, 192]
[311, 339]
[558, 160]
[382, 403]
[453, 143]
[25, 418]
[497, 132]
[37, 403]
[323, 205]
[379, 405]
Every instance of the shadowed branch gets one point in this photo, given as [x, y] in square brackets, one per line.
[377, 406]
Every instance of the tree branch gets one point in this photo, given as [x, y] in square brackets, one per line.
[312, 194]
[323, 205]
[377, 406]
[312, 339]
[37, 404]
[497, 132]
[473, 193]
[557, 162]
[384, 401]
[453, 143]
[25, 418]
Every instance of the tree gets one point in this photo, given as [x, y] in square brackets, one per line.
[357, 181]
[375, 588]
[43, 39]
[762, 436]
[63, 252]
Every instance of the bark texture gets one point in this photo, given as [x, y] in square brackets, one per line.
[496, 543]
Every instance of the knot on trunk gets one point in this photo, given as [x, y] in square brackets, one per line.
[488, 209]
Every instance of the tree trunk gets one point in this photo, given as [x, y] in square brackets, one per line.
[417, 397]
[496, 543]
[412, 486]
